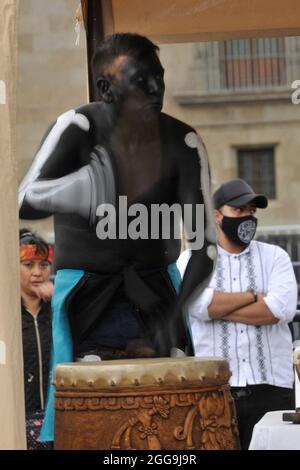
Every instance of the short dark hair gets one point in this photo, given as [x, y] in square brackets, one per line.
[113, 46]
[27, 237]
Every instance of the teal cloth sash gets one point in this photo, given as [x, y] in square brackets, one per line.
[62, 347]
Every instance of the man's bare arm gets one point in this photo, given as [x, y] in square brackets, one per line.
[255, 314]
[224, 303]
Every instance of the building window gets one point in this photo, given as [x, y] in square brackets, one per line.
[252, 63]
[257, 167]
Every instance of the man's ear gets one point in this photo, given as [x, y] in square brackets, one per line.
[104, 91]
[218, 216]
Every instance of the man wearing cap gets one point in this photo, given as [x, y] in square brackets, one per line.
[243, 315]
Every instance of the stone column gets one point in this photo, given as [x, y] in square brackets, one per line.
[12, 415]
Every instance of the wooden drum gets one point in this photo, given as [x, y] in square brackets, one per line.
[150, 404]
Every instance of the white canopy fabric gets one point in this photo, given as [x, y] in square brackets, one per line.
[12, 416]
[177, 21]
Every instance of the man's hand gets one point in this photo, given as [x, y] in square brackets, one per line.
[44, 291]
[260, 296]
[240, 307]
[224, 303]
[257, 314]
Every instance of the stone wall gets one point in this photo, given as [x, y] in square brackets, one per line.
[53, 78]
[52, 75]
[224, 126]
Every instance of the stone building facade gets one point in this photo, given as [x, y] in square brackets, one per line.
[237, 94]
[52, 77]
[241, 105]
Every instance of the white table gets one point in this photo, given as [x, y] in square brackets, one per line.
[271, 433]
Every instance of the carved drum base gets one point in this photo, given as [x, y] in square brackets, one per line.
[153, 416]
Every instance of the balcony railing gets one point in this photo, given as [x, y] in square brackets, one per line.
[243, 65]
[252, 63]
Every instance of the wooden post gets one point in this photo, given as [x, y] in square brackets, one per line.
[99, 23]
[12, 415]
[94, 35]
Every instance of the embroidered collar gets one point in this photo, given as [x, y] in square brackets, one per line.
[223, 252]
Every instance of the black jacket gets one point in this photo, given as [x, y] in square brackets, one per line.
[36, 359]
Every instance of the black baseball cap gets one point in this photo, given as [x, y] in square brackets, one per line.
[237, 193]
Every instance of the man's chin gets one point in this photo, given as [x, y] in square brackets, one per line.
[150, 112]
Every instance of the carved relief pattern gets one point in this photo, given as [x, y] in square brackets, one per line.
[210, 412]
[129, 402]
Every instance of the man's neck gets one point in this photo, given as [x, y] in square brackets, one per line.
[227, 244]
[130, 130]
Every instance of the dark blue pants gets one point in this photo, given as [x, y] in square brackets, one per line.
[115, 330]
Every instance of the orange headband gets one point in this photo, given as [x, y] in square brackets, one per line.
[29, 252]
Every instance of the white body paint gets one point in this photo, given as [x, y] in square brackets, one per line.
[193, 140]
[52, 139]
[212, 252]
[2, 92]
[2, 353]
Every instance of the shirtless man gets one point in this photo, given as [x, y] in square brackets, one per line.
[119, 299]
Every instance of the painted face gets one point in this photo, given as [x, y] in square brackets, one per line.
[33, 272]
[137, 84]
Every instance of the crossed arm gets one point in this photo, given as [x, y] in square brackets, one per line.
[240, 307]
[277, 304]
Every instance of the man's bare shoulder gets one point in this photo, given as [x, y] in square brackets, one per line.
[177, 135]
[176, 131]
[98, 117]
[175, 125]
[91, 110]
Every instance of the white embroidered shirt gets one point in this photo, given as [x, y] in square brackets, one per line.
[256, 354]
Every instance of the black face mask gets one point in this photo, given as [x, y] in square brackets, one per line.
[240, 230]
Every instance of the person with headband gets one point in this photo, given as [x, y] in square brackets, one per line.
[36, 292]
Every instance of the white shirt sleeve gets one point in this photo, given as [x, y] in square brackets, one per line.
[281, 297]
[198, 308]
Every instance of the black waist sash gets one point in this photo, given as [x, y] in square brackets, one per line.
[151, 291]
